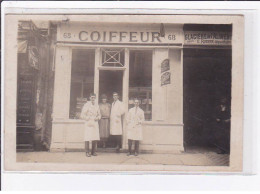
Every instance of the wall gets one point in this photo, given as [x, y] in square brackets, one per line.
[61, 98]
[175, 89]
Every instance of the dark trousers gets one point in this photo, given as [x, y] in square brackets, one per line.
[94, 146]
[130, 142]
[118, 140]
[222, 137]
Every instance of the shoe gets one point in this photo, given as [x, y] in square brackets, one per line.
[88, 155]
[94, 154]
[136, 154]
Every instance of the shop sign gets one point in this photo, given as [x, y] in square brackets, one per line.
[117, 34]
[165, 78]
[207, 38]
[165, 65]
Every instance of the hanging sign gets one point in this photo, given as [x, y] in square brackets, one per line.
[165, 78]
[207, 38]
[165, 65]
[34, 57]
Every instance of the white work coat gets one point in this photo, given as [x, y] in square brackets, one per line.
[117, 110]
[89, 113]
[134, 119]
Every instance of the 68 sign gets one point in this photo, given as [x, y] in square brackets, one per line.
[171, 37]
[66, 35]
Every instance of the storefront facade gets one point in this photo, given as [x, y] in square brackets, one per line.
[135, 60]
[116, 50]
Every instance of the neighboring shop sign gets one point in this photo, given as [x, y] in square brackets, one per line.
[207, 38]
[108, 33]
[165, 74]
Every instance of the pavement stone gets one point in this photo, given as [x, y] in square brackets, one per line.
[194, 159]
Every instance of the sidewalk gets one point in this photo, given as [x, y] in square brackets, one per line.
[186, 158]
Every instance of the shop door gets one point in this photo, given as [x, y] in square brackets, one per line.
[110, 81]
[207, 82]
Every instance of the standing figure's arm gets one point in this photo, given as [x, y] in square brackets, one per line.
[84, 113]
[109, 110]
[128, 117]
[122, 108]
[98, 117]
[141, 117]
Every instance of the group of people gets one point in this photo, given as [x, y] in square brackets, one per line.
[104, 119]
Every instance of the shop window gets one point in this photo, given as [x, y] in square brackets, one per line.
[140, 80]
[82, 79]
[113, 57]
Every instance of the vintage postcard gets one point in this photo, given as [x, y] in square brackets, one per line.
[123, 93]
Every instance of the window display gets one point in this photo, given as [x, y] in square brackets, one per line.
[82, 79]
[140, 80]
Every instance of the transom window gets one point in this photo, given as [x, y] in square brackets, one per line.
[113, 57]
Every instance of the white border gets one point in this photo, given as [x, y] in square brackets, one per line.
[251, 102]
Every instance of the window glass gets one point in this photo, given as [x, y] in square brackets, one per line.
[113, 57]
[140, 80]
[82, 79]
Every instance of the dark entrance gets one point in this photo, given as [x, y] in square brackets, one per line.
[109, 82]
[207, 98]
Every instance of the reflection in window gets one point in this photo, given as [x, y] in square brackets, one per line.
[140, 80]
[82, 79]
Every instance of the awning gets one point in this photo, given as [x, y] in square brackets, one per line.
[22, 46]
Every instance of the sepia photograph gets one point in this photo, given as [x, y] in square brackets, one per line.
[124, 92]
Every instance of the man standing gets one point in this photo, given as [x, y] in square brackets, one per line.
[117, 110]
[222, 132]
[91, 114]
[134, 120]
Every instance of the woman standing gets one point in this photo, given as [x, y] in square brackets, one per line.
[91, 114]
[105, 109]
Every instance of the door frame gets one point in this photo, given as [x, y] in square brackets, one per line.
[125, 84]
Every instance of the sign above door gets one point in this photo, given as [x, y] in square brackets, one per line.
[119, 34]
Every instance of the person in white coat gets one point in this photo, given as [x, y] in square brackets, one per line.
[91, 114]
[134, 119]
[117, 110]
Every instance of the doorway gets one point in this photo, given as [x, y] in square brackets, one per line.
[110, 81]
[206, 82]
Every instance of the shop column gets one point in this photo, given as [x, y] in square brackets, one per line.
[61, 99]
